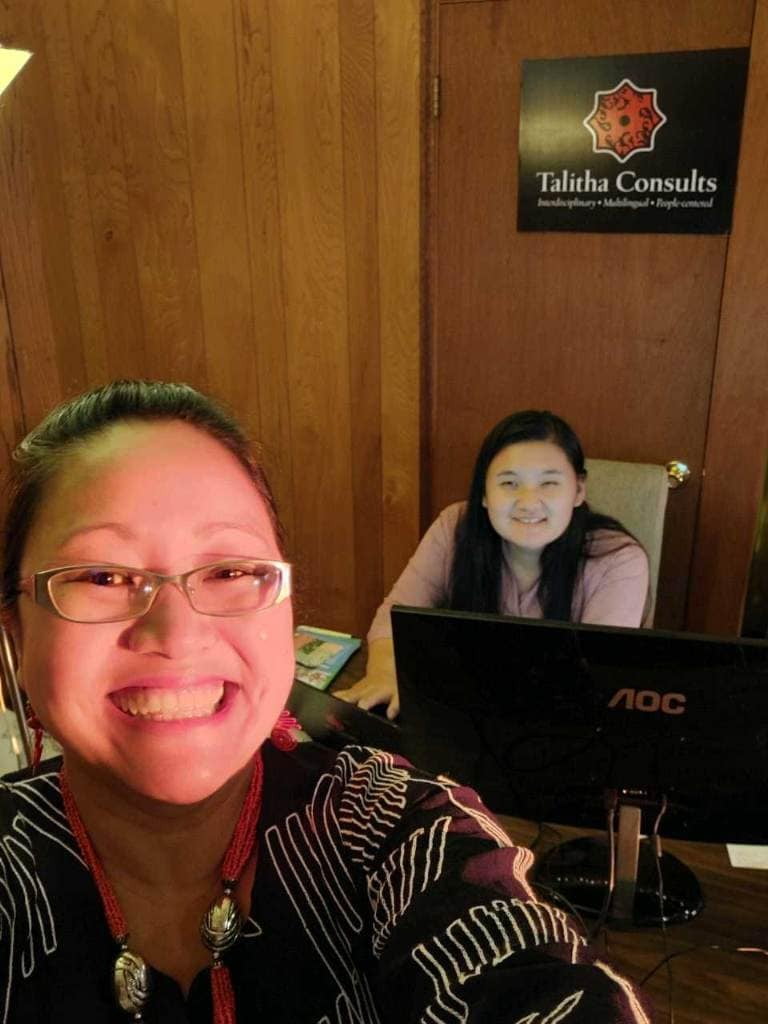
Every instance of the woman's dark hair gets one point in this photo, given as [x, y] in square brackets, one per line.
[43, 451]
[478, 558]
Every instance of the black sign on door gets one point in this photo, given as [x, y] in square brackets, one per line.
[634, 143]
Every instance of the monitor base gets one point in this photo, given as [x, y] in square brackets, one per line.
[578, 871]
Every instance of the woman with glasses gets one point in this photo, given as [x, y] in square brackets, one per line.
[176, 864]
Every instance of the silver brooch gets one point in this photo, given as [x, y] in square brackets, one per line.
[221, 926]
[132, 982]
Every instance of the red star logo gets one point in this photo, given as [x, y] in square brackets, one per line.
[624, 121]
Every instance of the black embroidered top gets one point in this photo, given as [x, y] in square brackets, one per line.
[381, 894]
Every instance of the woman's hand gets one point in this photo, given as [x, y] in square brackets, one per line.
[379, 684]
[370, 691]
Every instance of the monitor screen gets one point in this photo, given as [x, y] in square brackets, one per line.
[544, 717]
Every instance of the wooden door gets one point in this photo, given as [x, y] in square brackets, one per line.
[617, 333]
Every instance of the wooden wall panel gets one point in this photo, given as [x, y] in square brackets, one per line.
[219, 191]
[357, 52]
[398, 116]
[75, 194]
[33, 226]
[99, 214]
[262, 206]
[151, 90]
[11, 419]
[738, 424]
[210, 91]
[305, 57]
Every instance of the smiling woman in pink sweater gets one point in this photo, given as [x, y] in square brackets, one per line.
[524, 543]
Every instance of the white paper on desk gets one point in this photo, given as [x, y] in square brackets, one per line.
[743, 856]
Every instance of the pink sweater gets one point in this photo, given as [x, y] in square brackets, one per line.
[611, 590]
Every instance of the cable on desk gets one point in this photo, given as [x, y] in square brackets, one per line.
[611, 803]
[655, 840]
[693, 949]
[555, 897]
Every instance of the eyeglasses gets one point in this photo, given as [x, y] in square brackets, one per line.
[111, 593]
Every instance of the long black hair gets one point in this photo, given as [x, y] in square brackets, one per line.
[478, 557]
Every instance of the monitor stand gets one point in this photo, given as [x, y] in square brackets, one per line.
[580, 871]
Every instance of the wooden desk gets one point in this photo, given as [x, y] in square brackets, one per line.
[709, 986]
[353, 671]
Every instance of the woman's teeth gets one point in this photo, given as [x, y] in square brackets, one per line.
[167, 705]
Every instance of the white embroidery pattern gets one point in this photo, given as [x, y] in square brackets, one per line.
[309, 854]
[482, 938]
[410, 868]
[560, 1012]
[341, 847]
[306, 852]
[27, 927]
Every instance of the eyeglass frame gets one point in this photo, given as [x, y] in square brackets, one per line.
[37, 587]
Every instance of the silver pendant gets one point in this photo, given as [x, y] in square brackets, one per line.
[221, 926]
[132, 982]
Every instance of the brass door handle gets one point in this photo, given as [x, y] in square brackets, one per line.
[677, 473]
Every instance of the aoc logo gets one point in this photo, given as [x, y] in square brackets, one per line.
[648, 700]
[624, 121]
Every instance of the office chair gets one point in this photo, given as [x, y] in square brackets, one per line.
[635, 493]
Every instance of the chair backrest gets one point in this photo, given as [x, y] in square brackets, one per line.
[635, 493]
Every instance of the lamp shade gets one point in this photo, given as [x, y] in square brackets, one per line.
[11, 63]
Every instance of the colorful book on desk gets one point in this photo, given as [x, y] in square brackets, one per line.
[321, 654]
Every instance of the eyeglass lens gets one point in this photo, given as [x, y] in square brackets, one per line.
[101, 593]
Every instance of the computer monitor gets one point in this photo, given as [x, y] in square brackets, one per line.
[545, 719]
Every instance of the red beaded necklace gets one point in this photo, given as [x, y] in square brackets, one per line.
[219, 929]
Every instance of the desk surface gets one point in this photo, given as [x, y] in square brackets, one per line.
[708, 986]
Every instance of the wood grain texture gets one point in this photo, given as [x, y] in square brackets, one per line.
[737, 442]
[305, 58]
[154, 126]
[191, 190]
[398, 120]
[33, 230]
[11, 419]
[608, 330]
[210, 91]
[94, 166]
[262, 205]
[54, 230]
[357, 53]
[74, 187]
[706, 986]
